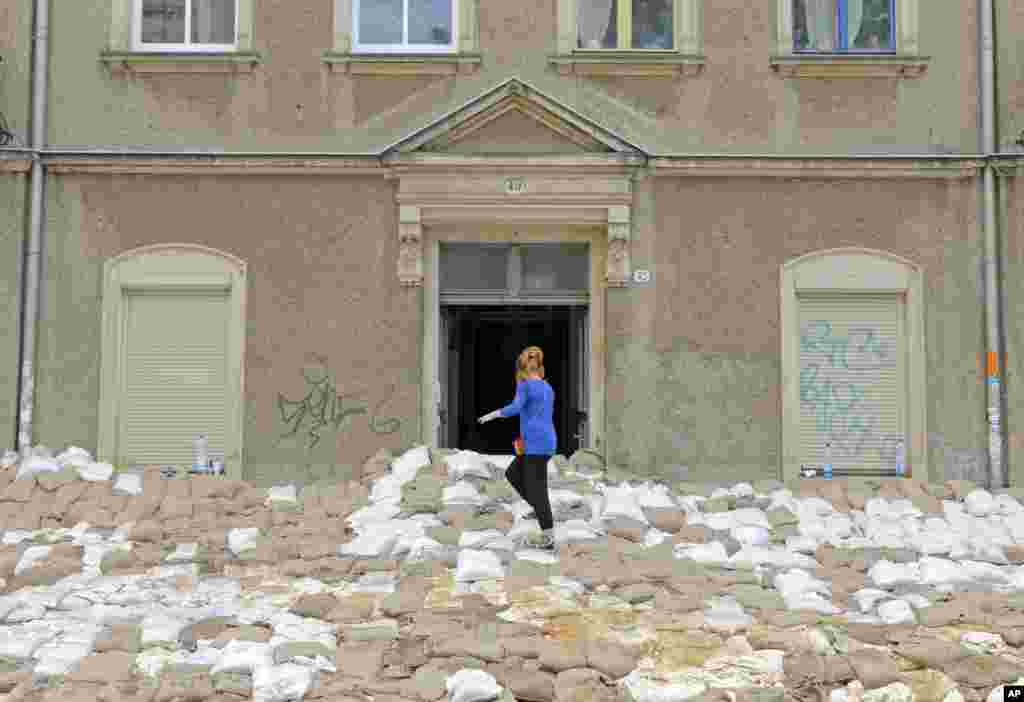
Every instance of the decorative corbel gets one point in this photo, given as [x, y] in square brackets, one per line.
[410, 246]
[618, 271]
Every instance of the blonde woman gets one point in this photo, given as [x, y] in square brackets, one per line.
[534, 403]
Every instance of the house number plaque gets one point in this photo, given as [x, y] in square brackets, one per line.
[515, 186]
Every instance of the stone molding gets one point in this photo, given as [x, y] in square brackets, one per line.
[623, 63]
[840, 66]
[402, 64]
[214, 165]
[129, 62]
[18, 164]
[504, 193]
[816, 167]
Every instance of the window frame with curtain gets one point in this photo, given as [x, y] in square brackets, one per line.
[188, 45]
[404, 47]
[839, 15]
[624, 21]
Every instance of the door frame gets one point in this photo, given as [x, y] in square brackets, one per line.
[466, 232]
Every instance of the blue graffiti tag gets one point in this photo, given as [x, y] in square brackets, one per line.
[838, 403]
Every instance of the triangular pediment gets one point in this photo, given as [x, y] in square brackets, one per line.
[513, 118]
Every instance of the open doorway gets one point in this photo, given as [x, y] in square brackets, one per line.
[480, 344]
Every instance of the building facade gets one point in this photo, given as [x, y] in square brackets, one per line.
[749, 236]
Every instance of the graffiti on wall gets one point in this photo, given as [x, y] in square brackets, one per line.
[325, 409]
[835, 388]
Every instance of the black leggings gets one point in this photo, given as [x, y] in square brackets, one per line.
[529, 476]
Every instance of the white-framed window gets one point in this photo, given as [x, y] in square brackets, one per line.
[844, 26]
[185, 25]
[405, 26]
[624, 25]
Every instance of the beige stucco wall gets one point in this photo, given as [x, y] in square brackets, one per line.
[12, 232]
[1012, 307]
[323, 293]
[694, 360]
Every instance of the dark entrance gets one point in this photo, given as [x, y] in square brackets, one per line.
[482, 344]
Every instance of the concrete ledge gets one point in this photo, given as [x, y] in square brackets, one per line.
[849, 66]
[402, 64]
[121, 63]
[637, 64]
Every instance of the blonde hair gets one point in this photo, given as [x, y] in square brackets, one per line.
[531, 360]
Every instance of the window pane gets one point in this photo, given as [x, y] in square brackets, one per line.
[555, 267]
[474, 267]
[596, 24]
[870, 24]
[814, 25]
[380, 21]
[163, 21]
[430, 22]
[213, 21]
[652, 24]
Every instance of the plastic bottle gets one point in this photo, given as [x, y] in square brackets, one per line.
[201, 464]
[828, 460]
[901, 458]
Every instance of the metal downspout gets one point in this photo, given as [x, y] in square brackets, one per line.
[33, 252]
[996, 472]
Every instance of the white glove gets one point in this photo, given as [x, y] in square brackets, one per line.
[489, 416]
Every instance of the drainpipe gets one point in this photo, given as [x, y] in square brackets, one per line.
[34, 249]
[996, 472]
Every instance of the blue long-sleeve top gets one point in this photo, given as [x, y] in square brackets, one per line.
[535, 405]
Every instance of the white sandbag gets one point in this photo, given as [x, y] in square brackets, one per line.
[654, 537]
[886, 574]
[621, 502]
[750, 516]
[726, 616]
[387, 488]
[656, 497]
[128, 484]
[752, 535]
[472, 686]
[243, 657]
[801, 544]
[376, 512]
[713, 552]
[34, 466]
[809, 601]
[479, 539]
[424, 548]
[796, 580]
[475, 564]
[896, 612]
[742, 490]
[986, 573]
[74, 456]
[408, 464]
[22, 640]
[32, 556]
[466, 463]
[62, 655]
[240, 540]
[370, 544]
[776, 556]
[645, 687]
[282, 493]
[576, 530]
[979, 503]
[162, 628]
[867, 598]
[462, 493]
[940, 571]
[9, 459]
[385, 583]
[95, 472]
[1008, 505]
[281, 683]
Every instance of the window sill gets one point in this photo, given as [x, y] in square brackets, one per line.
[638, 64]
[402, 64]
[183, 62]
[849, 66]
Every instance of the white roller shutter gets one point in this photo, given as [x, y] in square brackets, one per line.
[852, 380]
[174, 384]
